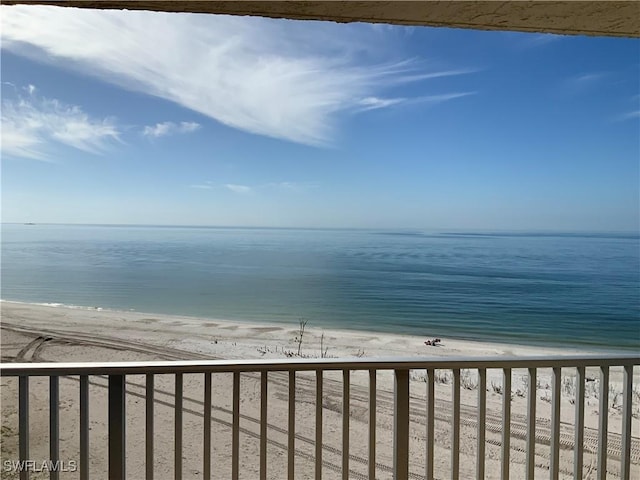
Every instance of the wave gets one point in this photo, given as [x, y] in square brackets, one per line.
[62, 305]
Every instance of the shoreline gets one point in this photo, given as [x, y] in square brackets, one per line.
[266, 330]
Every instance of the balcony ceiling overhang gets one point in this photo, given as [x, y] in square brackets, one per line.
[604, 18]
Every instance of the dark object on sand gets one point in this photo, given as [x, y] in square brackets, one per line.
[433, 343]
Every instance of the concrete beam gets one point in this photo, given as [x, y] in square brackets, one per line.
[604, 18]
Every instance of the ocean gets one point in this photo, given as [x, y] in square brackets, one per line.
[572, 290]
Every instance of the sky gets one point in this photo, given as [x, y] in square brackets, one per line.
[121, 117]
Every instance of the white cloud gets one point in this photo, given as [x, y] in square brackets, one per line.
[588, 77]
[283, 79]
[373, 103]
[30, 125]
[444, 97]
[169, 128]
[292, 186]
[629, 115]
[238, 188]
[20, 143]
[583, 83]
[540, 39]
[186, 127]
[429, 75]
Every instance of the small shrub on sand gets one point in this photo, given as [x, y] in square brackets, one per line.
[468, 380]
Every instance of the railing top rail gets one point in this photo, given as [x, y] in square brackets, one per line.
[306, 364]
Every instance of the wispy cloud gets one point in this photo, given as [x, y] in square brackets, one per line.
[529, 41]
[293, 186]
[588, 78]
[169, 128]
[238, 188]
[243, 189]
[373, 103]
[283, 79]
[540, 39]
[628, 116]
[429, 75]
[583, 82]
[30, 124]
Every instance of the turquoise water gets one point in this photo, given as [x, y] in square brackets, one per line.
[573, 290]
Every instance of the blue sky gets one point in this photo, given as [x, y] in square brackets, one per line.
[151, 118]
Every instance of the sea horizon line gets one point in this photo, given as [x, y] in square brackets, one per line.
[401, 230]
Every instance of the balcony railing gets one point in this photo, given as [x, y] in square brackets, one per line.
[622, 447]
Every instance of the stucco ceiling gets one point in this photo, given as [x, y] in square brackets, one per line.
[605, 18]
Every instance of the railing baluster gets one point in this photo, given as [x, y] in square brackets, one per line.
[178, 428]
[345, 423]
[430, 423]
[319, 378]
[23, 424]
[554, 461]
[54, 425]
[482, 415]
[578, 449]
[84, 427]
[117, 427]
[531, 423]
[148, 425]
[401, 425]
[455, 426]
[291, 437]
[625, 459]
[603, 423]
[264, 385]
[372, 422]
[206, 454]
[506, 422]
[235, 432]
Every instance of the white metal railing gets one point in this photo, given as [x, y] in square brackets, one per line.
[118, 371]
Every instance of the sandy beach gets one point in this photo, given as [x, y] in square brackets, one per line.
[41, 333]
